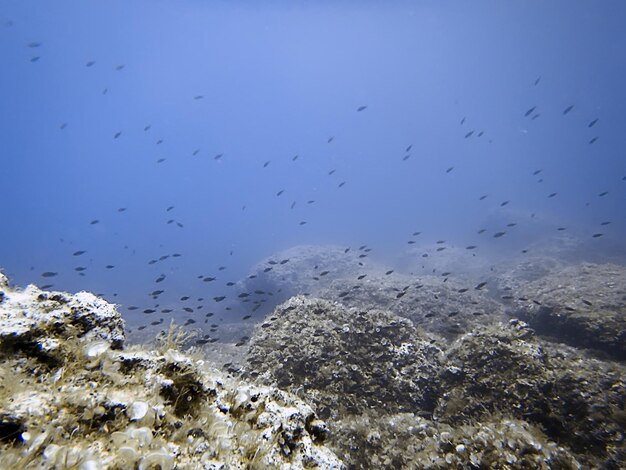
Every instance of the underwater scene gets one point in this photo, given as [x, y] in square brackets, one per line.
[312, 234]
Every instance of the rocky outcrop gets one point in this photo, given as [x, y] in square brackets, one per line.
[583, 305]
[72, 397]
[496, 397]
[345, 360]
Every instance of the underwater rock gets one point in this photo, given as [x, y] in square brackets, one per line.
[46, 325]
[344, 360]
[502, 397]
[91, 404]
[583, 305]
[429, 302]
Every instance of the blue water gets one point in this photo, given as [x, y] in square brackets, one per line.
[262, 82]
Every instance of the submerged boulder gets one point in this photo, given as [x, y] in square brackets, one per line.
[346, 360]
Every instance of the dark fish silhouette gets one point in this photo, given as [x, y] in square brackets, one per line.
[266, 163]
[602, 194]
[597, 235]
[593, 123]
[593, 140]
[117, 134]
[94, 222]
[470, 247]
[568, 109]
[218, 156]
[498, 234]
[90, 63]
[198, 97]
[280, 192]
[530, 111]
[504, 203]
[361, 108]
[481, 285]
[80, 252]
[469, 134]
[552, 195]
[482, 198]
[537, 80]
[449, 169]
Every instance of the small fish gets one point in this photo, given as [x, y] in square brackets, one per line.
[80, 269]
[90, 63]
[341, 184]
[361, 108]
[481, 285]
[188, 309]
[530, 111]
[593, 140]
[119, 67]
[482, 230]
[117, 134]
[209, 279]
[537, 81]
[536, 172]
[186, 297]
[389, 272]
[593, 123]
[80, 252]
[597, 235]
[400, 294]
[109, 266]
[498, 234]
[602, 194]
[149, 310]
[330, 139]
[453, 314]
[63, 126]
[462, 121]
[94, 222]
[441, 248]
[121, 209]
[482, 198]
[561, 229]
[460, 291]
[280, 192]
[283, 261]
[198, 97]
[504, 203]
[302, 223]
[324, 273]
[568, 109]
[266, 164]
[606, 223]
[408, 149]
[469, 134]
[470, 247]
[362, 276]
[218, 156]
[552, 195]
[294, 158]
[161, 160]
[449, 169]
[219, 298]
[512, 224]
[586, 302]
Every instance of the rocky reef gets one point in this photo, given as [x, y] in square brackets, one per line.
[496, 397]
[71, 396]
[368, 368]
